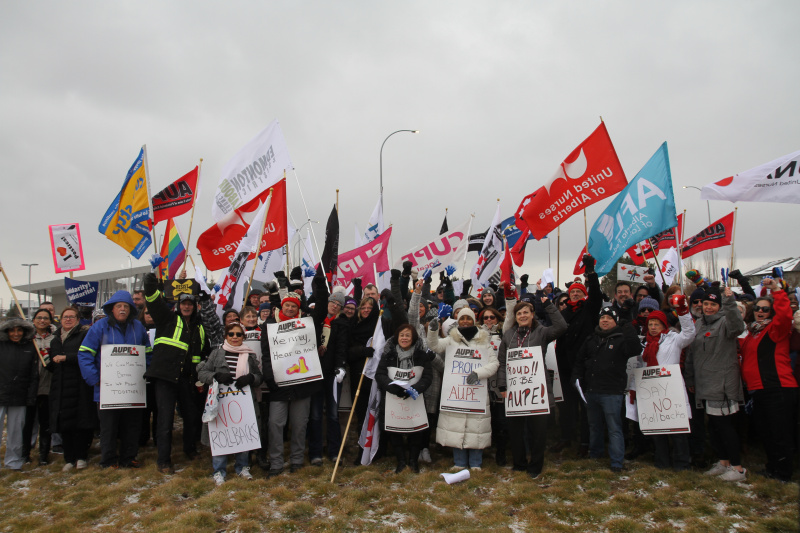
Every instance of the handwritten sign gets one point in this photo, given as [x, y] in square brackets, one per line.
[235, 429]
[551, 363]
[293, 351]
[457, 395]
[405, 415]
[661, 400]
[122, 376]
[526, 382]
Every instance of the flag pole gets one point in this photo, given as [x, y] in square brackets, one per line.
[655, 256]
[194, 204]
[349, 419]
[150, 201]
[733, 235]
[308, 216]
[258, 244]
[558, 258]
[19, 308]
[680, 251]
[585, 231]
[469, 230]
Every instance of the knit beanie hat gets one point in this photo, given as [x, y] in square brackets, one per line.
[648, 303]
[466, 311]
[697, 294]
[713, 295]
[609, 311]
[291, 297]
[658, 315]
[579, 286]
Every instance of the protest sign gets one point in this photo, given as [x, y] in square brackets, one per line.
[235, 429]
[122, 376]
[661, 400]
[405, 415]
[173, 288]
[65, 240]
[457, 395]
[81, 292]
[293, 351]
[552, 364]
[526, 382]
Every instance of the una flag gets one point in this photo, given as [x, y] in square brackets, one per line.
[719, 233]
[176, 198]
[375, 225]
[588, 174]
[645, 207]
[776, 181]
[666, 239]
[218, 243]
[670, 265]
[491, 253]
[580, 268]
[364, 261]
[260, 164]
[127, 220]
[370, 429]
[172, 250]
[330, 253]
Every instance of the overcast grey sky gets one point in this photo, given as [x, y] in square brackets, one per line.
[501, 91]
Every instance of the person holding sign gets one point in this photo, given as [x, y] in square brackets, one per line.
[233, 365]
[119, 327]
[525, 332]
[467, 433]
[403, 374]
[664, 347]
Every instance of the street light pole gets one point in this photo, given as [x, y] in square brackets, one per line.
[708, 206]
[384, 142]
[29, 265]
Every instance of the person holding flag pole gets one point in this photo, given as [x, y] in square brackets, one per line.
[19, 308]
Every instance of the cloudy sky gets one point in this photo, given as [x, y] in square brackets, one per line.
[501, 91]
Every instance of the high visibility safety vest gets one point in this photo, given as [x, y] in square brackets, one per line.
[175, 340]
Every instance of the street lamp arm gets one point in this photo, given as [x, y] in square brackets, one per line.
[381, 158]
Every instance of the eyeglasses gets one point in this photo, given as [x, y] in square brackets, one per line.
[235, 334]
[489, 317]
[762, 308]
[68, 317]
[562, 302]
[42, 318]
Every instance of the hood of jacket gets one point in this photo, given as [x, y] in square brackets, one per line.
[120, 296]
[27, 328]
[482, 337]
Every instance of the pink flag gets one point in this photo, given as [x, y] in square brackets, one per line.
[359, 263]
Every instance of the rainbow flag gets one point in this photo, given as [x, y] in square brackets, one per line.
[173, 250]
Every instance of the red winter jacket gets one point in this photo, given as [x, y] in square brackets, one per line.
[765, 355]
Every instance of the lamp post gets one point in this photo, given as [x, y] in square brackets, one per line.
[29, 265]
[384, 142]
[708, 206]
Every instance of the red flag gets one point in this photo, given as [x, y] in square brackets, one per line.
[358, 263]
[717, 234]
[507, 270]
[517, 252]
[176, 198]
[217, 245]
[580, 268]
[664, 240]
[635, 252]
[588, 174]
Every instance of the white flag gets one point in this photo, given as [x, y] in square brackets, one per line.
[449, 248]
[307, 262]
[776, 181]
[369, 439]
[359, 239]
[254, 168]
[670, 264]
[375, 226]
[491, 253]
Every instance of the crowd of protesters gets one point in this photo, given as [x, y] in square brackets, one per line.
[737, 353]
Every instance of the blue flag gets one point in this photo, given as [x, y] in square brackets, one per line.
[511, 231]
[645, 207]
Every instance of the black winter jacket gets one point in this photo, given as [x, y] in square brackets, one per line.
[602, 360]
[580, 325]
[72, 403]
[19, 366]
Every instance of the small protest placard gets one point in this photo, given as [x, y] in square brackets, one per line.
[65, 240]
[457, 395]
[235, 429]
[405, 415]
[551, 363]
[293, 351]
[173, 288]
[661, 400]
[526, 382]
[122, 376]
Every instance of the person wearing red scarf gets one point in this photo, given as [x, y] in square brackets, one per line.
[663, 347]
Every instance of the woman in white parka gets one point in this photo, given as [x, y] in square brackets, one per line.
[466, 434]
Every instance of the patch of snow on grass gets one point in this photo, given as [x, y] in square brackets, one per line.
[133, 498]
[661, 484]
[21, 485]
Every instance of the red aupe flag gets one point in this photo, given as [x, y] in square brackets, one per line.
[176, 198]
[588, 174]
[217, 244]
[661, 241]
[580, 268]
[717, 234]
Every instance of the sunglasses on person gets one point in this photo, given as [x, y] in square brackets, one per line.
[489, 317]
[235, 334]
[762, 308]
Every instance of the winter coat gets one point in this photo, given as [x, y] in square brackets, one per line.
[539, 336]
[360, 333]
[334, 354]
[109, 331]
[580, 325]
[19, 366]
[673, 342]
[712, 364]
[462, 430]
[180, 343]
[284, 393]
[216, 363]
[601, 364]
[421, 357]
[765, 355]
[71, 398]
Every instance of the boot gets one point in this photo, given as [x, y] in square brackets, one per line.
[401, 460]
[413, 460]
[500, 457]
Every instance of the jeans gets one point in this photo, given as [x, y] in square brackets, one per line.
[168, 395]
[606, 409]
[220, 462]
[14, 422]
[467, 457]
[333, 431]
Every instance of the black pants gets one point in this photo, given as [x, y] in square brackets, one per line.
[534, 428]
[406, 453]
[774, 415]
[571, 413]
[150, 411]
[697, 437]
[168, 395]
[499, 428]
[121, 425]
[725, 439]
[76, 443]
[40, 411]
[680, 451]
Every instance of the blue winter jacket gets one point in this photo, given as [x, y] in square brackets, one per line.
[108, 331]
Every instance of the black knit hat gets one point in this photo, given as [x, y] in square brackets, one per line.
[713, 295]
[608, 310]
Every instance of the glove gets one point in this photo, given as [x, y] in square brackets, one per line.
[735, 274]
[397, 390]
[388, 297]
[450, 269]
[523, 280]
[433, 325]
[467, 286]
[150, 283]
[271, 286]
[679, 303]
[472, 379]
[155, 260]
[427, 275]
[395, 274]
[445, 311]
[356, 283]
[340, 373]
[589, 262]
[407, 268]
[627, 305]
[297, 273]
[280, 277]
[368, 351]
[223, 378]
[243, 381]
[413, 393]
[510, 291]
[414, 275]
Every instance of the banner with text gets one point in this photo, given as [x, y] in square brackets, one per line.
[661, 400]
[81, 292]
[122, 376]
[236, 428]
[457, 395]
[405, 415]
[293, 351]
[526, 382]
[450, 248]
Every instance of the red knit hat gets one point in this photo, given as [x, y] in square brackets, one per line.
[291, 297]
[580, 286]
[658, 315]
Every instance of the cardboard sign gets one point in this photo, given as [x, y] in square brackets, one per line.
[405, 415]
[661, 400]
[457, 395]
[236, 428]
[526, 382]
[552, 364]
[65, 241]
[293, 351]
[122, 376]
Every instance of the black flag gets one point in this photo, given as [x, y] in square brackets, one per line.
[444, 226]
[330, 254]
[476, 241]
